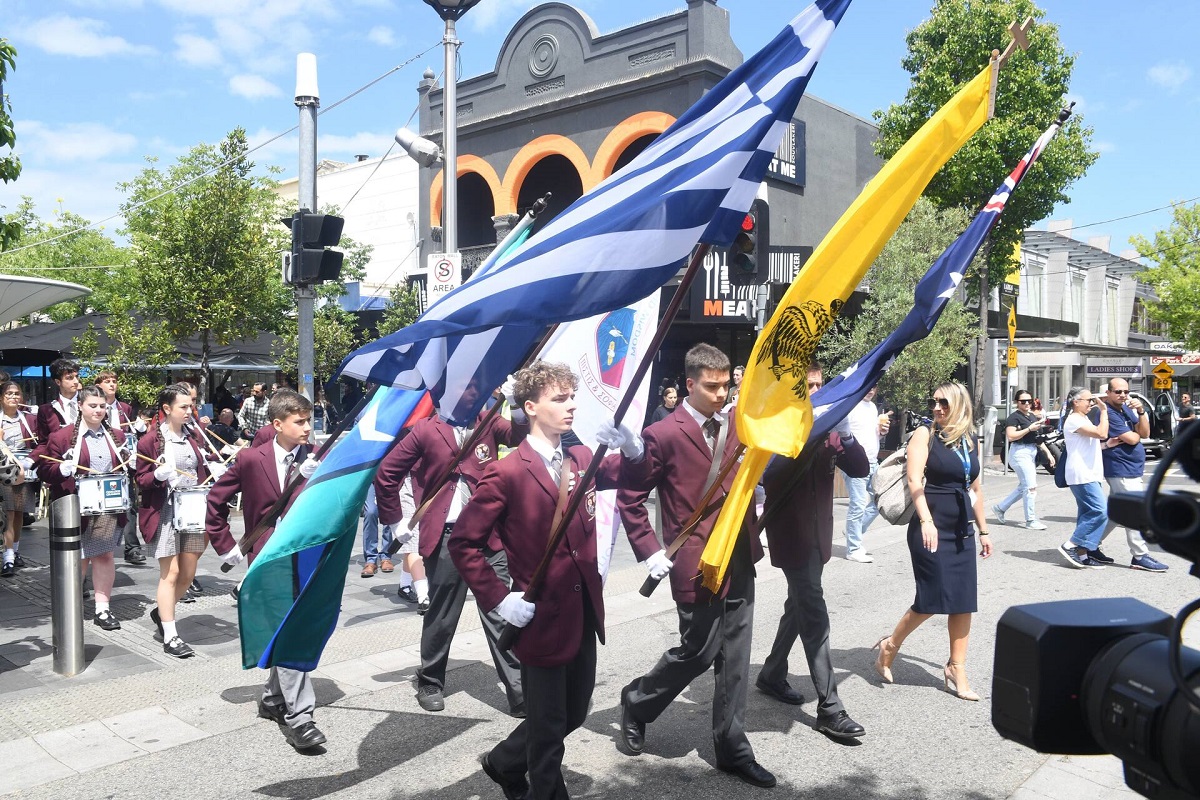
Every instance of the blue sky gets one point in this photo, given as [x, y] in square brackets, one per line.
[100, 84]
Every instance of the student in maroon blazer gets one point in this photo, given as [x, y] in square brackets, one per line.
[800, 535]
[517, 500]
[260, 473]
[678, 459]
[121, 418]
[425, 454]
[63, 410]
[18, 431]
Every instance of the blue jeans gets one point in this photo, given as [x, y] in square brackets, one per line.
[861, 511]
[372, 551]
[1093, 514]
[1023, 458]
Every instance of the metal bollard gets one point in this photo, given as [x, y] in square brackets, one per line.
[66, 589]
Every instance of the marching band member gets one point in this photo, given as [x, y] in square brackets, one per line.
[121, 418]
[17, 432]
[64, 409]
[170, 460]
[86, 449]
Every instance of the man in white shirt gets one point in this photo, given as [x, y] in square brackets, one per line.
[867, 425]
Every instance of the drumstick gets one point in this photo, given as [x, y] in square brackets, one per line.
[78, 466]
[177, 469]
[192, 432]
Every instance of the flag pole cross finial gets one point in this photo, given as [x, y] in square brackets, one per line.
[1019, 39]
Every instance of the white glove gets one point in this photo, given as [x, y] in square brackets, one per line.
[217, 469]
[659, 565]
[843, 429]
[400, 535]
[309, 466]
[139, 425]
[628, 442]
[508, 389]
[233, 557]
[163, 473]
[26, 463]
[68, 467]
[514, 609]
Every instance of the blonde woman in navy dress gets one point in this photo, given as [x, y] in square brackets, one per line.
[943, 477]
[171, 460]
[87, 449]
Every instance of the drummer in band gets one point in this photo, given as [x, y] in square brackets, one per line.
[85, 459]
[121, 418]
[172, 474]
[17, 433]
[63, 410]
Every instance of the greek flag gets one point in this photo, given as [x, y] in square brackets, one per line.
[620, 242]
[833, 401]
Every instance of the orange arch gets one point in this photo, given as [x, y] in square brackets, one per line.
[531, 154]
[624, 134]
[467, 164]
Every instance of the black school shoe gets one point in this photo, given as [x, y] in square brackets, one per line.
[8, 570]
[179, 648]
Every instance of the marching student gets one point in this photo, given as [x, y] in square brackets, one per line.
[170, 463]
[64, 409]
[519, 500]
[260, 474]
[122, 419]
[425, 453]
[714, 628]
[17, 432]
[86, 449]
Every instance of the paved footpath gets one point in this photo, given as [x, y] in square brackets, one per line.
[137, 723]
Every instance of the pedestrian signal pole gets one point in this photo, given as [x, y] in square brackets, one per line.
[307, 100]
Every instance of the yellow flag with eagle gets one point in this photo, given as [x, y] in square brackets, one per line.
[774, 413]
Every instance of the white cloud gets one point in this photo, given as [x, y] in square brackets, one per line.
[197, 51]
[488, 16]
[79, 36]
[253, 87]
[80, 141]
[92, 192]
[1169, 76]
[382, 35]
[1104, 148]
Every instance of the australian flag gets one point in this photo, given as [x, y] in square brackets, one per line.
[834, 401]
[621, 241]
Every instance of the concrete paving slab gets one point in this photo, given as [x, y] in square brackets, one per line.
[88, 746]
[34, 765]
[153, 729]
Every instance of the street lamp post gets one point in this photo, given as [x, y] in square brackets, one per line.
[450, 11]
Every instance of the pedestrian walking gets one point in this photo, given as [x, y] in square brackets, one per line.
[17, 431]
[867, 426]
[1084, 473]
[1022, 429]
[127, 427]
[943, 478]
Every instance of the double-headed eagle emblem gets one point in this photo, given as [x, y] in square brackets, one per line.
[792, 343]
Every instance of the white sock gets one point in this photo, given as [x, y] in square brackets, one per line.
[101, 605]
[16, 546]
[9, 554]
[406, 578]
[421, 587]
[169, 631]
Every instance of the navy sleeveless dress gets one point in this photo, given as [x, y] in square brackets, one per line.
[946, 578]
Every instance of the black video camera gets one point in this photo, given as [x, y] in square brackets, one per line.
[1086, 677]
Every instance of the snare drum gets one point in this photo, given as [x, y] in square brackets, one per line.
[190, 507]
[102, 494]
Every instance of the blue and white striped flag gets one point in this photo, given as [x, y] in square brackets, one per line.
[834, 401]
[618, 243]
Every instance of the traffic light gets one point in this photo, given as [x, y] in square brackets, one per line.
[746, 259]
[311, 262]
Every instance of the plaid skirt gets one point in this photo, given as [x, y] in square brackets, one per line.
[102, 536]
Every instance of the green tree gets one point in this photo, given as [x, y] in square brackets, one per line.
[1176, 277]
[945, 52]
[207, 251]
[925, 233]
[403, 309]
[87, 257]
[139, 353]
[10, 165]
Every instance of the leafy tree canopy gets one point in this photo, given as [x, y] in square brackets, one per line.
[949, 49]
[1176, 277]
[10, 165]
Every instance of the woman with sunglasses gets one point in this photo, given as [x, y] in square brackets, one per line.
[943, 478]
[1085, 476]
[1021, 429]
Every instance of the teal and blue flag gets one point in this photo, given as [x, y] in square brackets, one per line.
[292, 594]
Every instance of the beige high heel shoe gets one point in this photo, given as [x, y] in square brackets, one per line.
[952, 683]
[883, 662]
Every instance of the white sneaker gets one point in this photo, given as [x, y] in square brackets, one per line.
[999, 512]
[860, 555]
[1035, 526]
